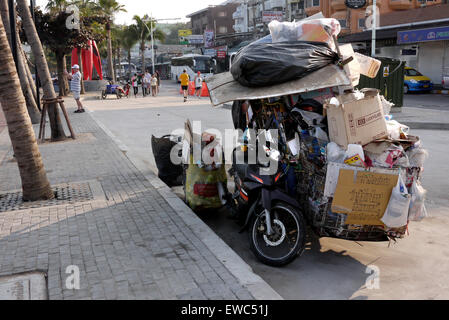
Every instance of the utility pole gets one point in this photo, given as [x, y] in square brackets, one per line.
[373, 33]
[287, 11]
[152, 44]
[152, 38]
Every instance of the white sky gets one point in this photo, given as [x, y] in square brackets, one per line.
[161, 9]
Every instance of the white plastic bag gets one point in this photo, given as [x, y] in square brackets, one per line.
[417, 155]
[320, 30]
[395, 129]
[396, 214]
[335, 153]
[320, 134]
[417, 208]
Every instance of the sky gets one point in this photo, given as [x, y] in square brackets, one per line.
[161, 9]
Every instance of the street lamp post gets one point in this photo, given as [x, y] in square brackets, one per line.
[152, 38]
[152, 44]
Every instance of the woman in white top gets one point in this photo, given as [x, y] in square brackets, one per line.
[134, 85]
[154, 83]
[198, 84]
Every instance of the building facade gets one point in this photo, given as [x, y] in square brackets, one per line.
[215, 18]
[354, 20]
[416, 32]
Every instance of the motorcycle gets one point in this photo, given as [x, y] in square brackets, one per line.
[277, 228]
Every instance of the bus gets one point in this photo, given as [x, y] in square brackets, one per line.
[126, 69]
[192, 63]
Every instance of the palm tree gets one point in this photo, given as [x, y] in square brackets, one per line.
[110, 8]
[57, 131]
[128, 38]
[35, 185]
[22, 66]
[4, 10]
[143, 27]
[55, 6]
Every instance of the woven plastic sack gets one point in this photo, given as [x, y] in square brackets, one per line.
[201, 186]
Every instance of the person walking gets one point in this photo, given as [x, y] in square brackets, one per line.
[184, 77]
[158, 76]
[134, 84]
[147, 82]
[140, 80]
[198, 85]
[154, 90]
[75, 86]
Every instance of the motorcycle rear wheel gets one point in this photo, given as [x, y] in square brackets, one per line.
[287, 240]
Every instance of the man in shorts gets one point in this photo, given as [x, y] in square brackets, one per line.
[198, 85]
[184, 77]
[75, 86]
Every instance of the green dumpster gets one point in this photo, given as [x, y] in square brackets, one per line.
[389, 80]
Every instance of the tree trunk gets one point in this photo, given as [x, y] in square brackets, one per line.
[31, 81]
[80, 63]
[35, 185]
[142, 51]
[33, 111]
[110, 64]
[4, 11]
[57, 131]
[66, 81]
[129, 64]
[61, 77]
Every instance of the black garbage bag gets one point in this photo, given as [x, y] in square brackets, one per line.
[170, 173]
[266, 64]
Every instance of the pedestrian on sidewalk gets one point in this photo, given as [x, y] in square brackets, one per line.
[140, 80]
[147, 82]
[75, 86]
[154, 81]
[184, 77]
[198, 85]
[134, 84]
[158, 76]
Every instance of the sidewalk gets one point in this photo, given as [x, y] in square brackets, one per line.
[128, 235]
[2, 120]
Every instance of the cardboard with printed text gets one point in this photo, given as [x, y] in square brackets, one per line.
[363, 196]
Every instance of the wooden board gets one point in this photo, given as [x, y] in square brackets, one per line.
[223, 88]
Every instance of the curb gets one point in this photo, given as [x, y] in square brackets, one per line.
[426, 125]
[233, 262]
[440, 91]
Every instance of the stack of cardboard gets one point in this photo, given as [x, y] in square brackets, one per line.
[368, 181]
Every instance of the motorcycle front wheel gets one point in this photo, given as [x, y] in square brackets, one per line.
[287, 240]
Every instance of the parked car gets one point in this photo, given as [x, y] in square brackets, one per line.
[415, 81]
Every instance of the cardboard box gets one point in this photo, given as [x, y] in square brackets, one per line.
[368, 66]
[356, 121]
[363, 196]
[352, 69]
